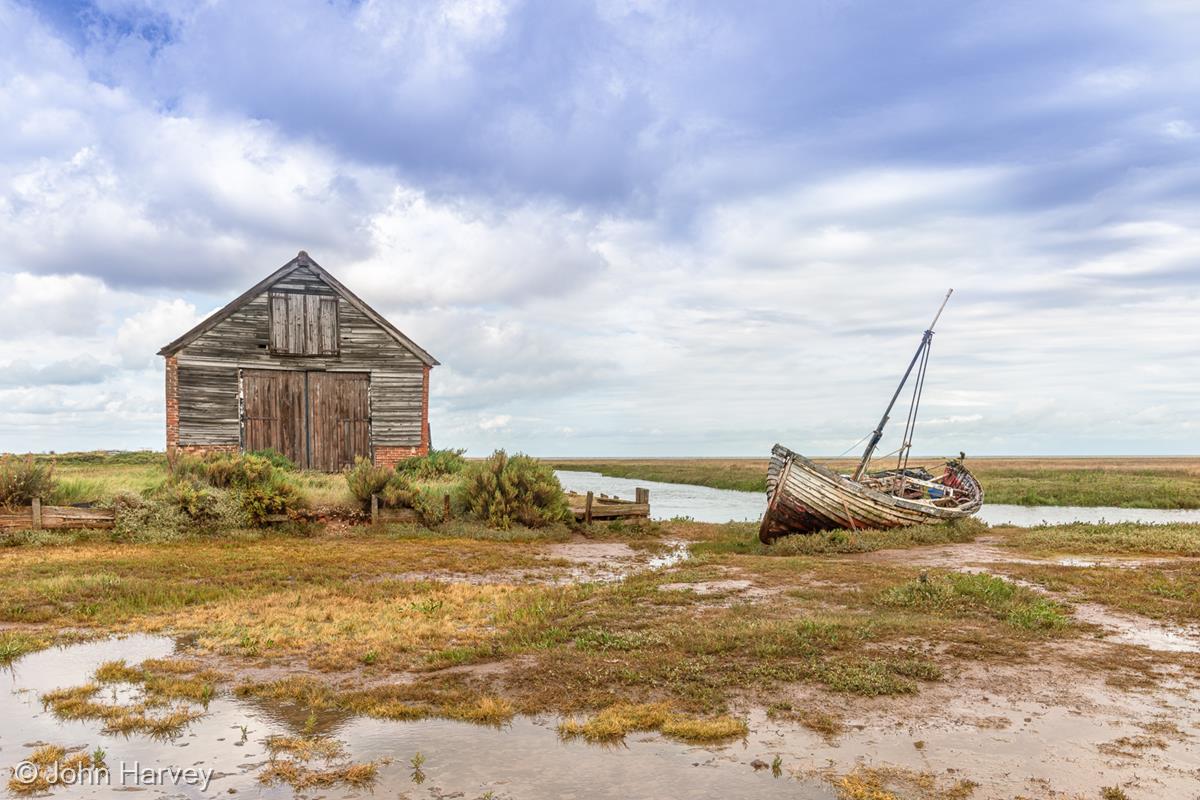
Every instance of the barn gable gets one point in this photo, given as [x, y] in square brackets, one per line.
[303, 275]
[300, 364]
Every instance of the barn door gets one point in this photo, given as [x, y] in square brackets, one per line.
[273, 415]
[339, 419]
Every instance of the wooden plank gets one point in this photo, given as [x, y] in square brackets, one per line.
[312, 332]
[58, 517]
[327, 326]
[278, 323]
[295, 323]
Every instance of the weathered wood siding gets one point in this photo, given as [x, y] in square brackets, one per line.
[208, 370]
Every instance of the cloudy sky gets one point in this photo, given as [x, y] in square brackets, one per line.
[625, 227]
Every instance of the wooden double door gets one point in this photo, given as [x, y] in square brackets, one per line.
[320, 420]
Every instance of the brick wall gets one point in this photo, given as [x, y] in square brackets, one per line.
[172, 404]
[390, 456]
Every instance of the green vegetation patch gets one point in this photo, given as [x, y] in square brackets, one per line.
[1116, 538]
[959, 593]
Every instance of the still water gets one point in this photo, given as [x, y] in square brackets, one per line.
[703, 504]
[523, 759]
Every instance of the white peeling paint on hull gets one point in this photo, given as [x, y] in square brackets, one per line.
[805, 497]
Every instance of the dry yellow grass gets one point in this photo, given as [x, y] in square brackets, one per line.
[299, 776]
[615, 722]
[54, 767]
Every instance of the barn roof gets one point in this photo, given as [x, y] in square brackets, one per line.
[302, 259]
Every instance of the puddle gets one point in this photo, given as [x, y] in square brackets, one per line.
[1140, 630]
[703, 504]
[524, 759]
[1027, 730]
[606, 562]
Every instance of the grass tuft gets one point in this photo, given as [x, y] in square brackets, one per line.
[615, 722]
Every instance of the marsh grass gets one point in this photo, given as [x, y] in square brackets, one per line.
[15, 644]
[741, 538]
[300, 776]
[164, 685]
[1117, 538]
[896, 783]
[615, 722]
[1164, 592]
[54, 766]
[957, 593]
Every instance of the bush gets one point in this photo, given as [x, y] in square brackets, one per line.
[438, 464]
[225, 470]
[502, 490]
[189, 497]
[366, 479]
[277, 459]
[267, 499]
[22, 479]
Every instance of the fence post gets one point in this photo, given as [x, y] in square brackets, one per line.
[587, 509]
[37, 513]
[446, 508]
[374, 508]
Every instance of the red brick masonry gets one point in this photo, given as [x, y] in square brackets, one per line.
[390, 456]
[172, 404]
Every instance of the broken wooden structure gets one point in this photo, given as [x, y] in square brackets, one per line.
[589, 507]
[805, 497]
[38, 517]
[299, 364]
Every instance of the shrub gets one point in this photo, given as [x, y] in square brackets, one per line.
[191, 498]
[277, 459]
[225, 470]
[502, 490]
[366, 479]
[22, 479]
[268, 498]
[438, 464]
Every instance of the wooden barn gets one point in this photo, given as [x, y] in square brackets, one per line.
[301, 365]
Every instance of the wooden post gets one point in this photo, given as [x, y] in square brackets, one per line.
[37, 513]
[446, 508]
[641, 495]
[374, 508]
[587, 509]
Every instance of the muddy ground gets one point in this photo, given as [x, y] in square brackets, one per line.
[1112, 705]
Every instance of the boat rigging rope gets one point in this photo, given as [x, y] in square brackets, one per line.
[914, 407]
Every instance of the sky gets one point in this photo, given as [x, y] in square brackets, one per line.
[625, 228]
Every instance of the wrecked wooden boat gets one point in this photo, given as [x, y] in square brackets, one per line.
[806, 497]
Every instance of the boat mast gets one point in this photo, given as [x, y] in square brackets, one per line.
[878, 434]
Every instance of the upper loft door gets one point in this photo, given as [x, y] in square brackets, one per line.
[273, 413]
[339, 419]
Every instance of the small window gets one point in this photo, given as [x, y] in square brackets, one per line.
[303, 324]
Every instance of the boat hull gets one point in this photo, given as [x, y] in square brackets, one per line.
[805, 497]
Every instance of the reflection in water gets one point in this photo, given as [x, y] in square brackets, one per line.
[524, 759]
[703, 504]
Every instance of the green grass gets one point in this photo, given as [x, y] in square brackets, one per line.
[958, 593]
[742, 538]
[1088, 487]
[14, 644]
[1118, 538]
[1170, 592]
